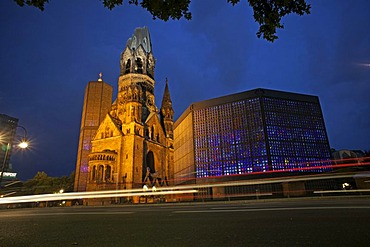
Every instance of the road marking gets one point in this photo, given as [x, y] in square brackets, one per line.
[267, 209]
[91, 213]
[60, 214]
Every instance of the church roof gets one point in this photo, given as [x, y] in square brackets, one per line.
[140, 37]
[166, 100]
[116, 121]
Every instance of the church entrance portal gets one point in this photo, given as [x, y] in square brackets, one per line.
[150, 161]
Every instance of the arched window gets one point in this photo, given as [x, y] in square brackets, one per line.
[128, 66]
[133, 111]
[147, 133]
[150, 161]
[108, 173]
[93, 173]
[100, 173]
[139, 65]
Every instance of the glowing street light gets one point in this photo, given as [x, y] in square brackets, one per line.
[23, 144]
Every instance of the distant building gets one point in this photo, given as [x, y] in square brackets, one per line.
[97, 103]
[132, 145]
[343, 154]
[353, 161]
[254, 132]
[8, 126]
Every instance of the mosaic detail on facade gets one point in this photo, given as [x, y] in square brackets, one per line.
[259, 135]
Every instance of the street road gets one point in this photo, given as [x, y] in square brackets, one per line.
[290, 222]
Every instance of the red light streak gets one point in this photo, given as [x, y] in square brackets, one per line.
[332, 165]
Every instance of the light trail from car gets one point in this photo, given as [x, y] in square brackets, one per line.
[86, 195]
[182, 189]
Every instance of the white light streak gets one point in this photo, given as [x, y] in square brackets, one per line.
[86, 195]
[183, 189]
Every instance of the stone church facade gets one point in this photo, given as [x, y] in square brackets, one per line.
[133, 145]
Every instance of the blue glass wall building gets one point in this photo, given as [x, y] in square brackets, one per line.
[253, 132]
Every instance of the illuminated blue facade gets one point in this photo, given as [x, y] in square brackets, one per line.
[259, 131]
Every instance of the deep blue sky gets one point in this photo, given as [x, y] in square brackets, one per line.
[47, 59]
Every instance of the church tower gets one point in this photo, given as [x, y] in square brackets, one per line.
[166, 116]
[134, 143]
[97, 103]
[167, 112]
[136, 81]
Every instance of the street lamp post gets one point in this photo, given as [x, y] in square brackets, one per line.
[23, 144]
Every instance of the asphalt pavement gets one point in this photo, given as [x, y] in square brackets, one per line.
[290, 222]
